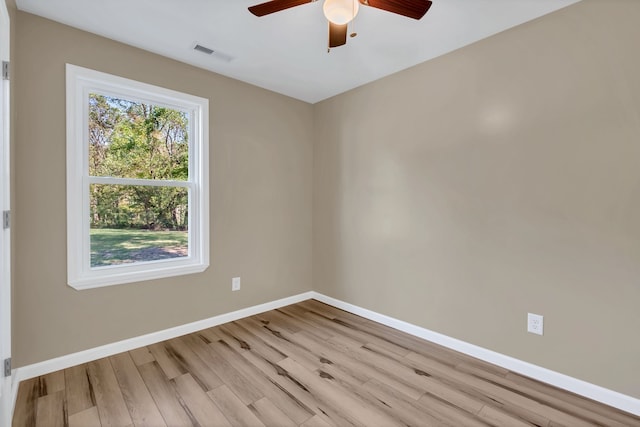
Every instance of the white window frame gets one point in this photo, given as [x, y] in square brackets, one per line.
[80, 82]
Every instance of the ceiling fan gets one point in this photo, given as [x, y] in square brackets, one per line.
[340, 12]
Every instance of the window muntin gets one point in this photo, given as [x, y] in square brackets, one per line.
[137, 207]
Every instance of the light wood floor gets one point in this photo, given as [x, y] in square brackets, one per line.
[305, 365]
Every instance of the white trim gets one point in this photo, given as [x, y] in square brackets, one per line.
[6, 397]
[583, 388]
[73, 359]
[574, 385]
[136, 181]
[80, 82]
[127, 273]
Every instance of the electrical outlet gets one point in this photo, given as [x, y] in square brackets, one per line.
[235, 284]
[535, 323]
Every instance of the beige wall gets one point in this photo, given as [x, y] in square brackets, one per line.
[260, 189]
[500, 179]
[457, 195]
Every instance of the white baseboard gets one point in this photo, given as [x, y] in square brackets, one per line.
[583, 388]
[66, 361]
[574, 385]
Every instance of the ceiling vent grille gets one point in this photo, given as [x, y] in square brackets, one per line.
[203, 49]
[221, 56]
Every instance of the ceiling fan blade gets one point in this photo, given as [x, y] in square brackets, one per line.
[276, 6]
[337, 34]
[410, 8]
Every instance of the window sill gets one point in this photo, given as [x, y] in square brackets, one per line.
[109, 276]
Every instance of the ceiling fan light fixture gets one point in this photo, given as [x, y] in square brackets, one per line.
[340, 12]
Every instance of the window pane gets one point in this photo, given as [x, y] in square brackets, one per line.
[130, 139]
[137, 223]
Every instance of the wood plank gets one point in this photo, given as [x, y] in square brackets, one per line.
[262, 382]
[562, 407]
[199, 404]
[233, 409]
[315, 421]
[534, 411]
[274, 317]
[282, 340]
[358, 361]
[403, 409]
[437, 411]
[240, 385]
[440, 386]
[246, 340]
[376, 329]
[141, 356]
[87, 418]
[347, 342]
[406, 410]
[296, 314]
[296, 391]
[402, 339]
[366, 331]
[341, 328]
[329, 355]
[52, 382]
[80, 394]
[171, 405]
[481, 365]
[109, 400]
[26, 403]
[457, 397]
[499, 418]
[352, 408]
[461, 382]
[180, 349]
[449, 412]
[437, 387]
[270, 414]
[229, 333]
[52, 410]
[210, 334]
[167, 362]
[142, 408]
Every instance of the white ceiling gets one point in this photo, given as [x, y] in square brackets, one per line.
[286, 52]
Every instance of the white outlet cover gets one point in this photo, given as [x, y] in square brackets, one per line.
[535, 323]
[235, 284]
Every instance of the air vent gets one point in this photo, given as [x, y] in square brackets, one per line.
[203, 49]
[213, 53]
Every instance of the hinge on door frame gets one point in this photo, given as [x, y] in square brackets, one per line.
[6, 219]
[5, 70]
[7, 367]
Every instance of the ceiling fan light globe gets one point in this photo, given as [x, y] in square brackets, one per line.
[340, 12]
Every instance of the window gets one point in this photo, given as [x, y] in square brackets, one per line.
[137, 174]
